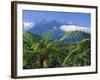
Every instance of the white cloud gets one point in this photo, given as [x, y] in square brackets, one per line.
[67, 28]
[28, 25]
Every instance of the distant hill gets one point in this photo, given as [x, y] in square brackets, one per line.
[71, 36]
[29, 38]
[45, 25]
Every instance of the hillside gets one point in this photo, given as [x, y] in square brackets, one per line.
[45, 52]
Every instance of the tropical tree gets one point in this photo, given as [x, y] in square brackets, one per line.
[45, 52]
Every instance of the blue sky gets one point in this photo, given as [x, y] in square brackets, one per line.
[81, 19]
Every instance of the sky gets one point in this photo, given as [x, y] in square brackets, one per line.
[82, 19]
[79, 20]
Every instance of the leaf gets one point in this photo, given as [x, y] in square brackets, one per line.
[68, 56]
[62, 38]
[53, 43]
[72, 33]
[46, 41]
[35, 46]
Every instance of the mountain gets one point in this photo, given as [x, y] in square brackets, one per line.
[71, 36]
[45, 26]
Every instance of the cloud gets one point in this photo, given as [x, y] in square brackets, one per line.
[28, 25]
[68, 28]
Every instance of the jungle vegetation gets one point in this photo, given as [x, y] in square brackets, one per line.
[44, 52]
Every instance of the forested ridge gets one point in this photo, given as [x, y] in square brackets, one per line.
[44, 52]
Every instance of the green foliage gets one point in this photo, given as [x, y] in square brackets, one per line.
[74, 33]
[80, 56]
[44, 52]
[35, 46]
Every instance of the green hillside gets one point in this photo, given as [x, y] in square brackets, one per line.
[44, 52]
